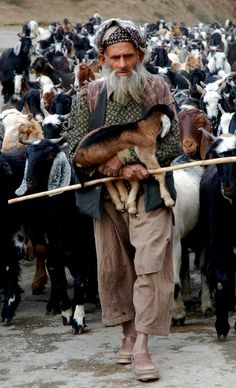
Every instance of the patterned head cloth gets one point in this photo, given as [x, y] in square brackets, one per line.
[117, 30]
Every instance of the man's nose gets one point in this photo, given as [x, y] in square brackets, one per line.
[122, 63]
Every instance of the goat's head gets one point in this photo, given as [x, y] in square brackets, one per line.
[224, 146]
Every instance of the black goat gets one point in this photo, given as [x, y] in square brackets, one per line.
[217, 221]
[41, 66]
[14, 60]
[69, 233]
[61, 104]
[12, 238]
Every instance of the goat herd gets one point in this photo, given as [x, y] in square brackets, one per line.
[39, 77]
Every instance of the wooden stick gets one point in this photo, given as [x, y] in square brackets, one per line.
[228, 159]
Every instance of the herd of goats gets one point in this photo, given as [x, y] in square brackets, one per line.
[39, 77]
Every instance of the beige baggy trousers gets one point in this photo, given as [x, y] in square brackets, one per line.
[135, 267]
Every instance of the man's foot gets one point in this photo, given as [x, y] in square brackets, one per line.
[125, 352]
[143, 367]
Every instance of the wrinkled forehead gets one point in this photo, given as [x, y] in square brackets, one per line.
[227, 143]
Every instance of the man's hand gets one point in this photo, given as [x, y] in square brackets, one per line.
[134, 171]
[111, 167]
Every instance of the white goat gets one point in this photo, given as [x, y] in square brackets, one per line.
[186, 213]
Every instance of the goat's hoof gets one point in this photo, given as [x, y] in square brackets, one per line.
[78, 328]
[178, 321]
[131, 208]
[221, 337]
[66, 322]
[38, 291]
[169, 202]
[208, 313]
[132, 211]
[120, 208]
[222, 330]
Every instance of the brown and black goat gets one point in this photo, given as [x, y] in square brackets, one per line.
[101, 144]
[192, 142]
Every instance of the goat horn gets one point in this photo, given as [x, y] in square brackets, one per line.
[70, 91]
[63, 117]
[26, 142]
[43, 109]
[58, 140]
[58, 85]
[222, 86]
[202, 84]
[200, 89]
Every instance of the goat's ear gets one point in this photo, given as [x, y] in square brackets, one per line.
[209, 136]
[25, 110]
[200, 89]
[205, 147]
[17, 48]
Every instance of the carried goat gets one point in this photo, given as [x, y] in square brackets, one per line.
[101, 144]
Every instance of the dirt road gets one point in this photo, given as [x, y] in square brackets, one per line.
[37, 351]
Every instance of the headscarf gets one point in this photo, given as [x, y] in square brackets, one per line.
[118, 30]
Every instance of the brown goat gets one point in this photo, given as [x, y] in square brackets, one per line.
[193, 143]
[101, 144]
[19, 126]
[192, 61]
[83, 74]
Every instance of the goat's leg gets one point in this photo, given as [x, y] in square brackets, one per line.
[78, 323]
[58, 300]
[149, 159]
[40, 276]
[206, 303]
[179, 313]
[115, 197]
[165, 195]
[78, 272]
[122, 190]
[131, 202]
[128, 199]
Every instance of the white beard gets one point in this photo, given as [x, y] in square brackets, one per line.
[126, 87]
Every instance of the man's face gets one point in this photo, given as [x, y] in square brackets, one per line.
[121, 57]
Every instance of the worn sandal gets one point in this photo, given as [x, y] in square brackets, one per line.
[125, 352]
[143, 367]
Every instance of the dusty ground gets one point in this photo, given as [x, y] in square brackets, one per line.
[16, 12]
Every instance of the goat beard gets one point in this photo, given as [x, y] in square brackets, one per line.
[126, 87]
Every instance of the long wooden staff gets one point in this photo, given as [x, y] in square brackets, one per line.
[228, 159]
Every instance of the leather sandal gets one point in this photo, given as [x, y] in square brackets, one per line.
[125, 352]
[143, 367]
